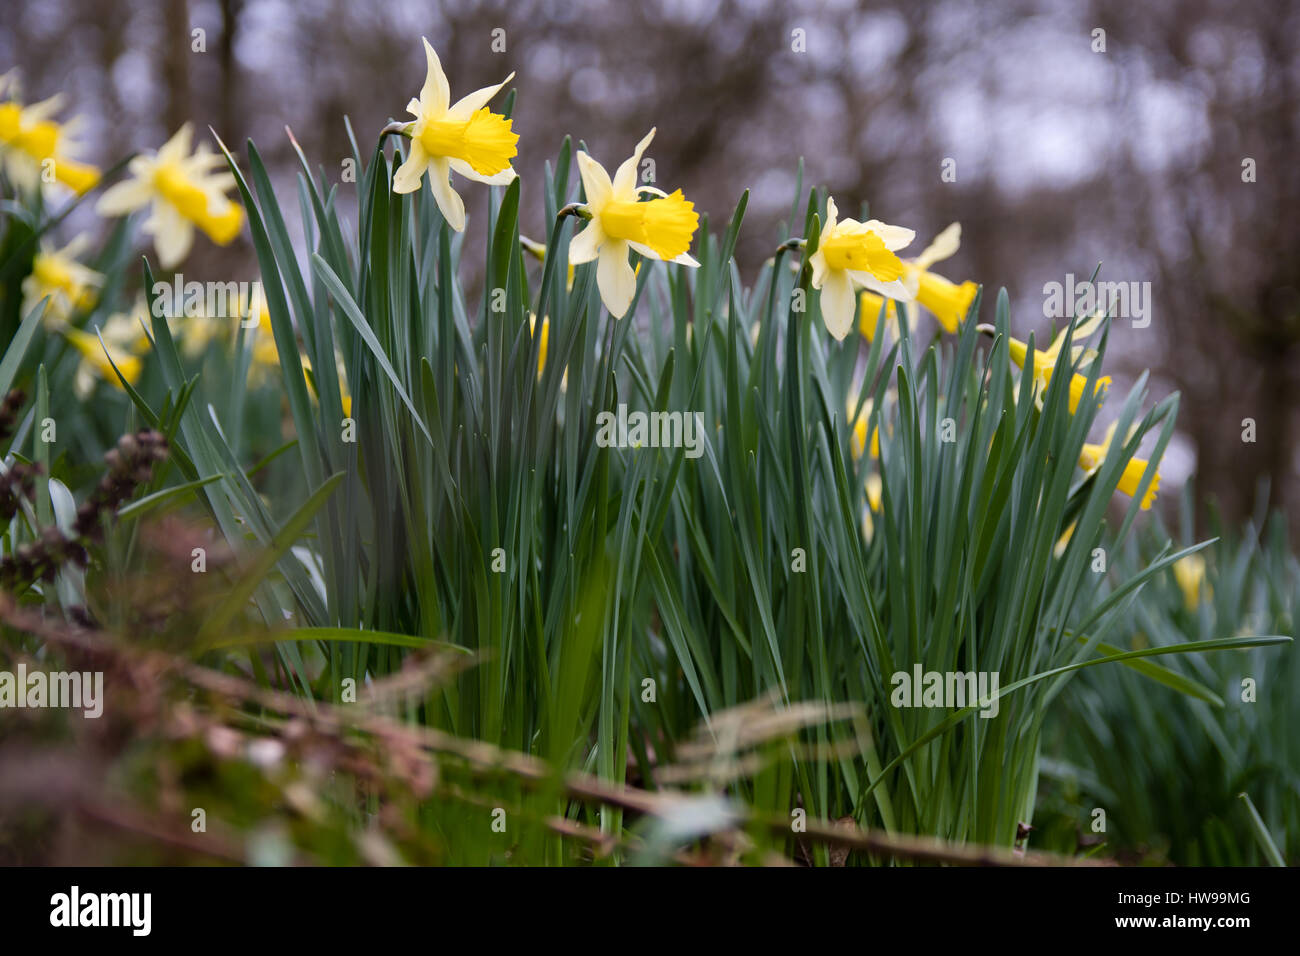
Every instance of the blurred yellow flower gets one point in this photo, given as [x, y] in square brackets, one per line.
[71, 286]
[1092, 456]
[875, 488]
[1063, 541]
[34, 148]
[947, 301]
[465, 137]
[857, 443]
[658, 228]
[198, 332]
[544, 343]
[861, 254]
[869, 314]
[265, 353]
[345, 395]
[126, 342]
[1189, 572]
[859, 440]
[184, 192]
[1045, 361]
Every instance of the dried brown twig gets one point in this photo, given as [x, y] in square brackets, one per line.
[413, 753]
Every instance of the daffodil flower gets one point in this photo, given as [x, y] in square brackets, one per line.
[856, 254]
[1092, 456]
[29, 139]
[184, 191]
[1189, 573]
[125, 341]
[71, 286]
[1045, 361]
[859, 440]
[947, 301]
[465, 137]
[621, 222]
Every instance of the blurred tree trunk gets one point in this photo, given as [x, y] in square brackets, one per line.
[176, 54]
[228, 113]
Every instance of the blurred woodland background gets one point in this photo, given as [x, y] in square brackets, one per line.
[1064, 155]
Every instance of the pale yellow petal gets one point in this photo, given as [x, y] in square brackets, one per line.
[435, 94]
[944, 246]
[470, 104]
[173, 234]
[585, 246]
[595, 181]
[408, 175]
[616, 277]
[178, 147]
[123, 198]
[896, 290]
[449, 201]
[626, 175]
[894, 237]
[838, 303]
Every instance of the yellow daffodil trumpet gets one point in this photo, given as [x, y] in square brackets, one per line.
[869, 306]
[947, 301]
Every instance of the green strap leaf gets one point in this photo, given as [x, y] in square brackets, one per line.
[1163, 675]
